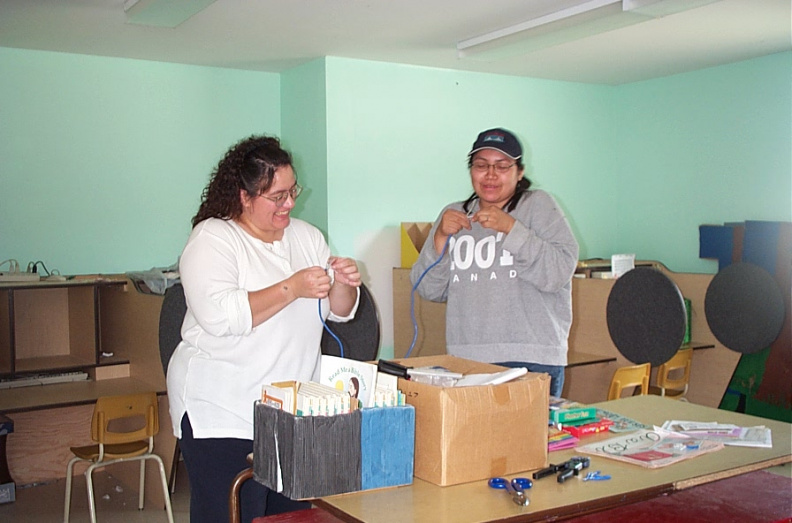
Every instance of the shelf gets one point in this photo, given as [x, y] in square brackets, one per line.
[52, 326]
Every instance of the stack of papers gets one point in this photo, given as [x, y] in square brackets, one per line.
[732, 435]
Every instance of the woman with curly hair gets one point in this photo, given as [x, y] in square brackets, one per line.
[252, 276]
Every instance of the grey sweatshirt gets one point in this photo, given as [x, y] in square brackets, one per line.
[509, 297]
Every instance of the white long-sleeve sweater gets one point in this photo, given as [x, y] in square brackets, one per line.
[216, 372]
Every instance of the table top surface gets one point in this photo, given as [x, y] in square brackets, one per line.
[476, 502]
[67, 394]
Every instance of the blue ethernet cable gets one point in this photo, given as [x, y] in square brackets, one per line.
[321, 318]
[412, 297]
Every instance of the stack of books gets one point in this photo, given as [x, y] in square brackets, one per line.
[344, 386]
[576, 419]
[558, 439]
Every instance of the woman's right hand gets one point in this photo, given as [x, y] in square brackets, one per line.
[311, 282]
[451, 223]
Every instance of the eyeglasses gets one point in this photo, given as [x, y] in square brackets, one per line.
[281, 197]
[481, 166]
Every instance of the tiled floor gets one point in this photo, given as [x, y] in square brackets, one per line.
[114, 503]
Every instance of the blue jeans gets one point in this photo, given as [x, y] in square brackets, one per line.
[556, 373]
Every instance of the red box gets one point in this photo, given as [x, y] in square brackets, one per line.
[589, 428]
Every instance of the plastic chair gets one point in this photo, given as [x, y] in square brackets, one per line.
[115, 446]
[675, 387]
[360, 335]
[174, 307]
[631, 376]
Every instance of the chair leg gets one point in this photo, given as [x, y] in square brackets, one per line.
[89, 486]
[67, 501]
[165, 489]
[142, 486]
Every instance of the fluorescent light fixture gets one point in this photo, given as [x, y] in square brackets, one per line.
[585, 19]
[163, 13]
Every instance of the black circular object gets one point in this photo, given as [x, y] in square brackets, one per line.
[646, 316]
[744, 307]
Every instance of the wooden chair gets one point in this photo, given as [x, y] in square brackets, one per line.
[630, 376]
[115, 442]
[674, 387]
[234, 507]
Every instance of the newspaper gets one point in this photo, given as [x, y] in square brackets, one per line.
[732, 435]
[651, 448]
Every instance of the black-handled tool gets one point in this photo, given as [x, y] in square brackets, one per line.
[393, 368]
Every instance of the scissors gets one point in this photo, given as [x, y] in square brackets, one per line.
[516, 488]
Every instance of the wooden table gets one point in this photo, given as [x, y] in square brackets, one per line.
[475, 502]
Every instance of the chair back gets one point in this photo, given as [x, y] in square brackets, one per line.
[630, 376]
[110, 409]
[174, 307]
[679, 364]
[360, 335]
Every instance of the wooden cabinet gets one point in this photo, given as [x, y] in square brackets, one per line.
[48, 327]
[100, 325]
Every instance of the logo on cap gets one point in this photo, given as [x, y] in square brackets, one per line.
[494, 138]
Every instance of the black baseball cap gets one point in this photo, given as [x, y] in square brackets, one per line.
[500, 140]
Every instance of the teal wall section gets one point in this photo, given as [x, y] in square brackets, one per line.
[706, 147]
[104, 160]
[304, 133]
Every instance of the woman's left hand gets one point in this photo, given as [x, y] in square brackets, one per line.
[494, 218]
[345, 271]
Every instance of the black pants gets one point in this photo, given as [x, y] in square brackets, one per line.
[212, 464]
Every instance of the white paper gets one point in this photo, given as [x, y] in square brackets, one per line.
[494, 378]
[621, 263]
[732, 435]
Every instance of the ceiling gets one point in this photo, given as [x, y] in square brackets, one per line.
[275, 35]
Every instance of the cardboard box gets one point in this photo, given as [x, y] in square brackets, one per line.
[474, 433]
[413, 237]
[314, 456]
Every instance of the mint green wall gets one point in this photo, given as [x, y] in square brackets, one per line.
[398, 138]
[304, 133]
[104, 159]
[706, 147]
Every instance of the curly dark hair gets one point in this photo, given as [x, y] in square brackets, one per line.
[523, 184]
[249, 165]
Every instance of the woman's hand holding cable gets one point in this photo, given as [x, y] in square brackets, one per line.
[347, 276]
[451, 223]
[311, 282]
[494, 218]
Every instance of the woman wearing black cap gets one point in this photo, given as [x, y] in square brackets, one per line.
[503, 261]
